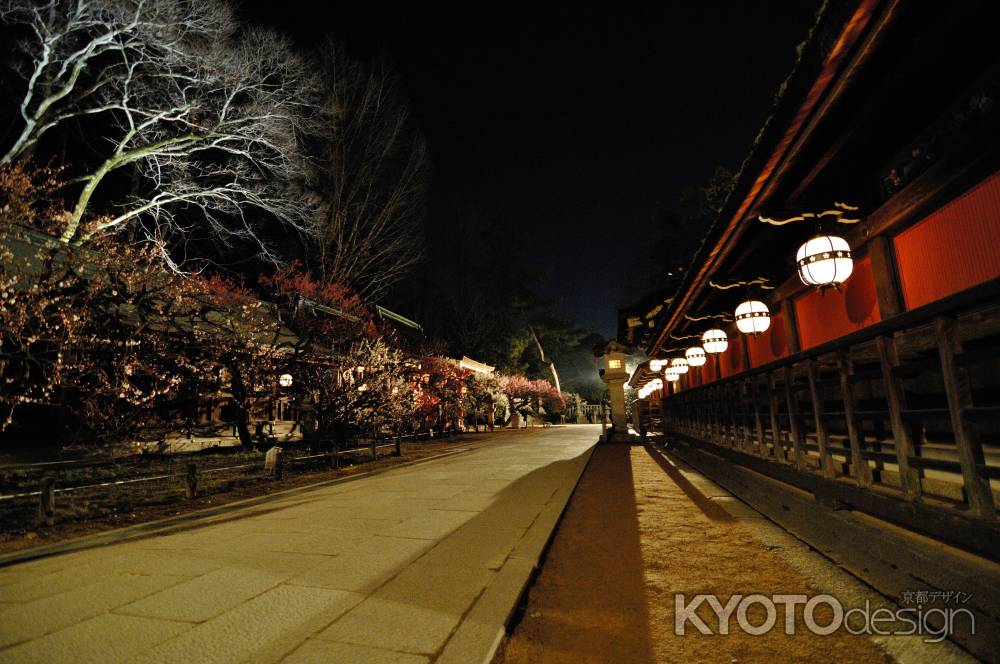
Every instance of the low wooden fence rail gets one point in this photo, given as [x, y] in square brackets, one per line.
[35, 494]
[900, 420]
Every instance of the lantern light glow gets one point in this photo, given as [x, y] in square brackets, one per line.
[715, 341]
[825, 260]
[695, 356]
[679, 364]
[753, 317]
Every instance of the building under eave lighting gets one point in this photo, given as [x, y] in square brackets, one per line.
[884, 391]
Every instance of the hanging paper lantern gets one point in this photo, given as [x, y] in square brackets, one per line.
[825, 260]
[679, 364]
[715, 341]
[671, 375]
[656, 365]
[753, 317]
[695, 356]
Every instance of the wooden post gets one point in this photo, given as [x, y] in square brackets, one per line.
[822, 437]
[909, 477]
[274, 462]
[959, 393]
[191, 481]
[887, 291]
[758, 423]
[374, 446]
[399, 443]
[47, 500]
[794, 428]
[772, 402]
[740, 439]
[862, 472]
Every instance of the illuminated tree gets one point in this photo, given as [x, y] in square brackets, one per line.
[207, 117]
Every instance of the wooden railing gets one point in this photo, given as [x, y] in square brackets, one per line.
[900, 420]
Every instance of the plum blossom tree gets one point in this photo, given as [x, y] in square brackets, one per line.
[525, 395]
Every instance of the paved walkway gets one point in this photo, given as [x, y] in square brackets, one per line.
[422, 563]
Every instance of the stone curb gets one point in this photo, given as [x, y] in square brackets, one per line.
[482, 630]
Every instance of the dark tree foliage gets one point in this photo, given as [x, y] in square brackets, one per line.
[474, 294]
[680, 228]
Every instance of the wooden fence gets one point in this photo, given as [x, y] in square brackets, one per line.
[44, 493]
[900, 420]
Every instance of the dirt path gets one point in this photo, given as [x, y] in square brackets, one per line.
[636, 533]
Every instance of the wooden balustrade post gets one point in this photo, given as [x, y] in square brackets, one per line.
[772, 403]
[758, 423]
[909, 477]
[794, 426]
[746, 439]
[862, 471]
[967, 442]
[822, 436]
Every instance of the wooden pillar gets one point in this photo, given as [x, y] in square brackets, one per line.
[862, 472]
[909, 477]
[887, 291]
[959, 393]
[791, 326]
[822, 437]
[794, 428]
[746, 351]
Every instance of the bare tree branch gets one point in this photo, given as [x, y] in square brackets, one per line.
[371, 177]
[210, 118]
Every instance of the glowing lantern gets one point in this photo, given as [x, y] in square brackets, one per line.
[671, 375]
[285, 380]
[715, 341]
[679, 364]
[656, 365]
[695, 356]
[825, 260]
[753, 317]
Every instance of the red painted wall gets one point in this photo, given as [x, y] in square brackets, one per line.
[771, 345]
[732, 360]
[829, 314]
[954, 248]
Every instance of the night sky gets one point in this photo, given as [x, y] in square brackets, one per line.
[570, 123]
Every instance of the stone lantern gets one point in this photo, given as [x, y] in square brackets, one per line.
[614, 373]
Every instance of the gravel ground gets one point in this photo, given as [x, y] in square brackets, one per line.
[633, 536]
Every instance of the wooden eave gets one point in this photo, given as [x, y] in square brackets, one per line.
[813, 89]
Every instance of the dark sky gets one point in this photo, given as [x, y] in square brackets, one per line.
[573, 123]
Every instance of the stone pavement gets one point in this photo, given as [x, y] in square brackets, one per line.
[420, 563]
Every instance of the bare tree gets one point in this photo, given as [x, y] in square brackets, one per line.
[544, 360]
[371, 177]
[209, 117]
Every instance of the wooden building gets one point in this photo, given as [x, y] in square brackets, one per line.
[881, 394]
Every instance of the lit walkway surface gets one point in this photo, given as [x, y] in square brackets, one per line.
[421, 563]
